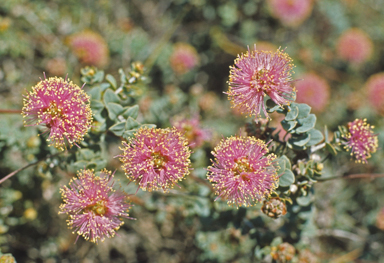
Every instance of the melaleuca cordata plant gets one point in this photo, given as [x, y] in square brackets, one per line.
[275, 167]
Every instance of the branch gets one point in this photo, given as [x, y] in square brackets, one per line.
[352, 176]
[28, 165]
[10, 111]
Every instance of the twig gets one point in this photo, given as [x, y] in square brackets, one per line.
[352, 176]
[10, 111]
[28, 165]
[166, 36]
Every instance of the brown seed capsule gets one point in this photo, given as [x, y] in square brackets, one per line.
[274, 207]
[283, 253]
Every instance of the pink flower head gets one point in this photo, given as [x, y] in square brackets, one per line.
[291, 12]
[257, 74]
[314, 91]
[242, 173]
[361, 140]
[90, 48]
[192, 131]
[354, 46]
[95, 209]
[375, 89]
[156, 158]
[62, 107]
[184, 58]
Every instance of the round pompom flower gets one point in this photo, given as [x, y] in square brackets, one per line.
[62, 107]
[354, 46]
[184, 58]
[313, 90]
[361, 140]
[242, 173]
[257, 74]
[95, 209]
[156, 158]
[375, 88]
[90, 48]
[191, 130]
[291, 12]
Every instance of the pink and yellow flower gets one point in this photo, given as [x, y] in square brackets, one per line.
[242, 173]
[361, 140]
[354, 46]
[62, 107]
[313, 90]
[156, 158]
[95, 209]
[90, 48]
[375, 89]
[257, 74]
[291, 12]
[184, 58]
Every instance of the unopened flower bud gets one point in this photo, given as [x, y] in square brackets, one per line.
[319, 167]
[293, 188]
[274, 208]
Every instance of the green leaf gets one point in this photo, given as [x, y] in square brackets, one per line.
[304, 200]
[79, 165]
[148, 125]
[97, 106]
[301, 167]
[306, 123]
[118, 128]
[85, 154]
[316, 137]
[288, 125]
[330, 149]
[99, 76]
[287, 162]
[292, 114]
[281, 165]
[309, 172]
[131, 112]
[304, 110]
[95, 93]
[104, 86]
[300, 140]
[123, 78]
[276, 241]
[131, 124]
[287, 178]
[127, 134]
[111, 81]
[91, 165]
[114, 110]
[110, 96]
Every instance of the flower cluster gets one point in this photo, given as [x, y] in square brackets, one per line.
[354, 46]
[242, 174]
[314, 90]
[90, 48]
[156, 158]
[95, 209]
[291, 12]
[361, 140]
[184, 58]
[375, 89]
[62, 107]
[257, 74]
[191, 130]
